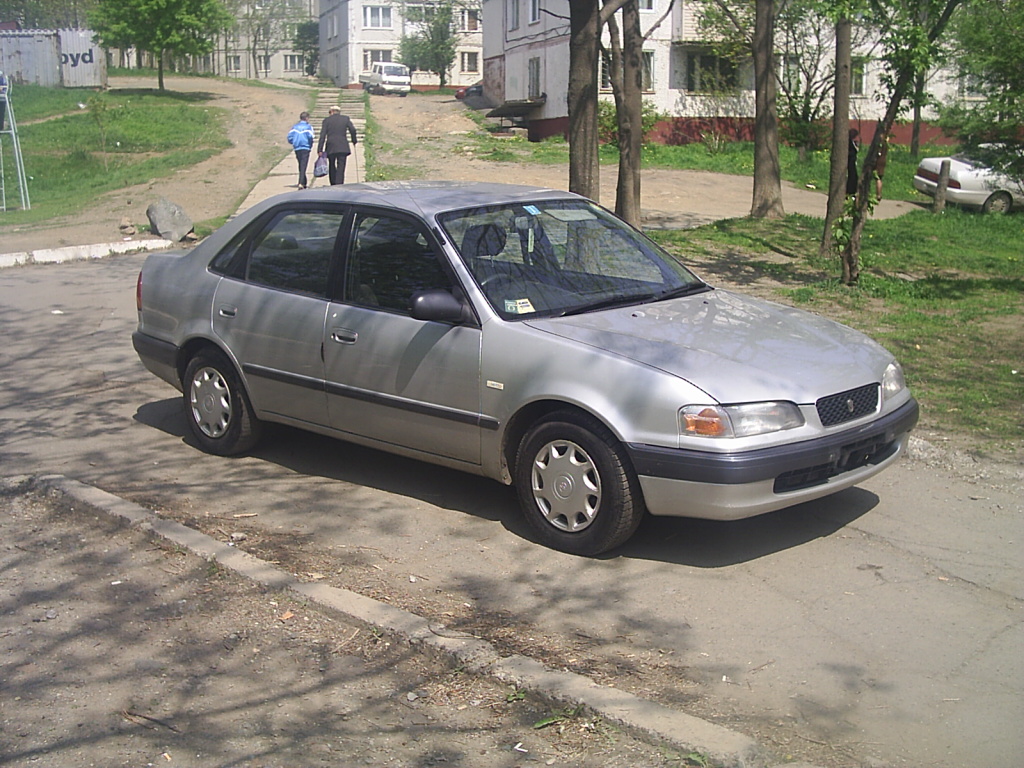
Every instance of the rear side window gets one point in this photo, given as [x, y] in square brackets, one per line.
[293, 253]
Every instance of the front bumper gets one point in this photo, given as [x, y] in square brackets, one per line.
[732, 486]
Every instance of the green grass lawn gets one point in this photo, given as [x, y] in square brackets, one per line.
[79, 144]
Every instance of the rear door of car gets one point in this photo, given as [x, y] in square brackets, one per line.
[271, 314]
[391, 377]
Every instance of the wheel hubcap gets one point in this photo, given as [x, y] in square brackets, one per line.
[211, 402]
[566, 486]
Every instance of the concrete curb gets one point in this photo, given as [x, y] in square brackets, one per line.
[82, 252]
[723, 746]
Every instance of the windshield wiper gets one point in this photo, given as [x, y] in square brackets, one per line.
[611, 301]
[683, 290]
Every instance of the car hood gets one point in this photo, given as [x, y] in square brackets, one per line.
[734, 348]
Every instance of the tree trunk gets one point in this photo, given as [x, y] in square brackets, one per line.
[915, 138]
[630, 117]
[160, 70]
[767, 201]
[840, 135]
[584, 165]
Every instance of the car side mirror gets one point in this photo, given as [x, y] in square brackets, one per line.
[437, 305]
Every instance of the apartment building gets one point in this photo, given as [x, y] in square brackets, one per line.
[354, 35]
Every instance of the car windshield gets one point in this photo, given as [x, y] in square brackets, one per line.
[396, 69]
[560, 257]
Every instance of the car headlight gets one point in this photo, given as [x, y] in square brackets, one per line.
[892, 380]
[738, 420]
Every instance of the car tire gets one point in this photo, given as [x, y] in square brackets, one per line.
[998, 202]
[217, 407]
[576, 486]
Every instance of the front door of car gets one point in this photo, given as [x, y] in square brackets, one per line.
[391, 377]
[272, 320]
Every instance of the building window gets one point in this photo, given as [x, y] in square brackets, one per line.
[513, 14]
[647, 72]
[857, 75]
[377, 16]
[470, 61]
[263, 62]
[534, 11]
[533, 76]
[234, 63]
[372, 56]
[293, 62]
[646, 5]
[788, 67]
[708, 73]
[471, 20]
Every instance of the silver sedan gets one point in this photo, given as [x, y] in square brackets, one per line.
[523, 334]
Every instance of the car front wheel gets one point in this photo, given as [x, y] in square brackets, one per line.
[576, 486]
[217, 407]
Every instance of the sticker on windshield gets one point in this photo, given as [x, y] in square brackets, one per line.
[571, 214]
[518, 306]
[533, 210]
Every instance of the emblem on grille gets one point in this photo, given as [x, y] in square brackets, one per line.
[850, 405]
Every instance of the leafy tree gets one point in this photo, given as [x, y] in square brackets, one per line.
[162, 27]
[46, 14]
[431, 48]
[909, 35]
[987, 38]
[307, 42]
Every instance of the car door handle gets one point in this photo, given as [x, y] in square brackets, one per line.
[227, 311]
[344, 336]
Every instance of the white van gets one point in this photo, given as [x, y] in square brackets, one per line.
[387, 77]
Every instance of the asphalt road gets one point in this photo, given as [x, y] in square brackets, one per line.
[883, 623]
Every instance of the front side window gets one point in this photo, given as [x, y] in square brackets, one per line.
[390, 259]
[377, 16]
[559, 257]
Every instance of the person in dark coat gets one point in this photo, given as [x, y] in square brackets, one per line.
[334, 140]
[851, 163]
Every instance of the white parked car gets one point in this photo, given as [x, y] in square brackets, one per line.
[971, 184]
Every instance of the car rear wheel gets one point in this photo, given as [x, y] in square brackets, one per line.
[998, 202]
[576, 486]
[217, 407]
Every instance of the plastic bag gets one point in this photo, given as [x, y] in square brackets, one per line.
[320, 166]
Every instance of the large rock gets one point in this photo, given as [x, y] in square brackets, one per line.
[168, 220]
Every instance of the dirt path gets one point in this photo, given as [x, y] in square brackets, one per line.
[427, 137]
[212, 189]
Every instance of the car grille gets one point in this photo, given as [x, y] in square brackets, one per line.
[870, 450]
[847, 406]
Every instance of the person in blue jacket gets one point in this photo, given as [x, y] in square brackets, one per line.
[301, 138]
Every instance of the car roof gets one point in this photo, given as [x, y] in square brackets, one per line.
[428, 198]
